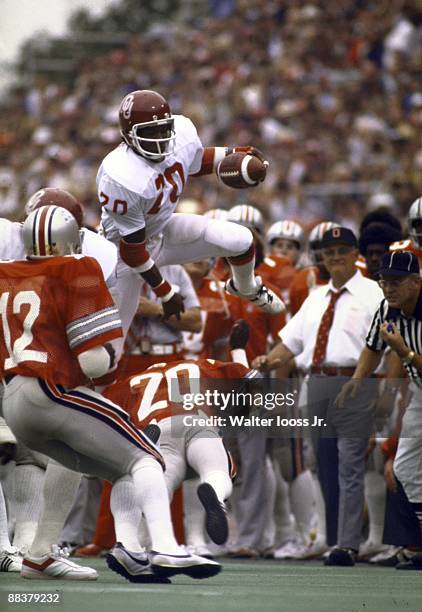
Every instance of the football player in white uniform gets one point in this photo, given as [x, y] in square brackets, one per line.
[139, 184]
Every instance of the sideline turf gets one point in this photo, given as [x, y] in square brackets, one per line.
[256, 586]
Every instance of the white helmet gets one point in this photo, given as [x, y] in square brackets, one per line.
[317, 233]
[246, 215]
[289, 230]
[49, 231]
[413, 219]
[217, 213]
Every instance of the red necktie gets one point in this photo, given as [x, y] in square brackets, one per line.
[324, 329]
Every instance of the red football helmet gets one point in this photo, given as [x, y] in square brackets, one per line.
[147, 125]
[56, 197]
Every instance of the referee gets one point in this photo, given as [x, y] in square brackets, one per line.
[398, 324]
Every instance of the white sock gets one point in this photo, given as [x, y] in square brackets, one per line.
[302, 499]
[4, 533]
[244, 278]
[28, 484]
[375, 493]
[126, 513]
[152, 496]
[194, 514]
[60, 488]
[208, 458]
[320, 510]
[284, 528]
[268, 534]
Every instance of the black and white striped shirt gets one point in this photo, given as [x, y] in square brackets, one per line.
[410, 330]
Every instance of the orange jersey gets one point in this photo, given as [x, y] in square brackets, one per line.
[260, 323]
[51, 311]
[278, 271]
[407, 245]
[304, 281]
[164, 390]
[215, 315]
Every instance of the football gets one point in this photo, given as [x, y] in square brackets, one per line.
[241, 170]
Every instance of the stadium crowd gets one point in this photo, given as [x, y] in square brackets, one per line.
[329, 92]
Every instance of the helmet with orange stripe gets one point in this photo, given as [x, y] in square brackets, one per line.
[50, 231]
[246, 215]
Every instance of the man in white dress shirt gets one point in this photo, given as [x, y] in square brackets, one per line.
[329, 332]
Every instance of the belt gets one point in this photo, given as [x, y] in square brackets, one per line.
[332, 371]
[160, 349]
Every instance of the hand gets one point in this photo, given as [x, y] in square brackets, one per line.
[252, 151]
[7, 452]
[348, 391]
[174, 306]
[391, 335]
[239, 335]
[384, 404]
[389, 476]
[148, 308]
[263, 364]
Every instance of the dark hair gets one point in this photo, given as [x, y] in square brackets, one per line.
[381, 216]
[378, 233]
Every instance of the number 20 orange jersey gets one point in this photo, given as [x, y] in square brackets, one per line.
[52, 310]
[160, 391]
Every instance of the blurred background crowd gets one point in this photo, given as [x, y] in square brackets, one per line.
[330, 90]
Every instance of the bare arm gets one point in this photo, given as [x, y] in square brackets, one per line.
[367, 364]
[276, 358]
[190, 320]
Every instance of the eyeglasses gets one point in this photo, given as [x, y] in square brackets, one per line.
[333, 251]
[394, 284]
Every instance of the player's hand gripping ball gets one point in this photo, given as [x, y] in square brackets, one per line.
[242, 170]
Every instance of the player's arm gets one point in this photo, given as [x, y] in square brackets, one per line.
[135, 254]
[212, 156]
[190, 320]
[92, 319]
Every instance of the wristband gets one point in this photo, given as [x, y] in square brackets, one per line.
[164, 291]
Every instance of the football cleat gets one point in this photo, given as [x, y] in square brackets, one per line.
[133, 566]
[369, 549]
[55, 565]
[263, 297]
[314, 550]
[194, 566]
[216, 518]
[10, 560]
[390, 557]
[291, 550]
[413, 562]
[200, 549]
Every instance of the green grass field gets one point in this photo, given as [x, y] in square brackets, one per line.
[255, 586]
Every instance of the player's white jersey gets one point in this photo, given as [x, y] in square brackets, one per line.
[135, 193]
[11, 241]
[93, 245]
[103, 251]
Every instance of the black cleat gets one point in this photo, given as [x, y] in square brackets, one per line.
[216, 517]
